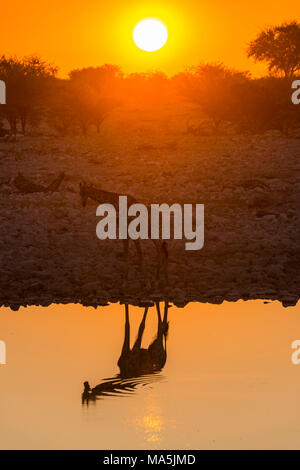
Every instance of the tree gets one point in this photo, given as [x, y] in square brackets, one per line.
[212, 87]
[253, 107]
[279, 47]
[25, 81]
[59, 104]
[95, 93]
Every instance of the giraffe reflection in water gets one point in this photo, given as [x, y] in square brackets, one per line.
[137, 365]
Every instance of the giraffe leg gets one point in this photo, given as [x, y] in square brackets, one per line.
[138, 341]
[141, 261]
[162, 259]
[165, 323]
[165, 255]
[126, 344]
[125, 247]
[166, 311]
[137, 244]
[126, 255]
[158, 311]
[158, 259]
[125, 353]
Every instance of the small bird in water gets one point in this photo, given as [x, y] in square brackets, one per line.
[87, 393]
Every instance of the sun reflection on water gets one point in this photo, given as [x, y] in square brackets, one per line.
[152, 426]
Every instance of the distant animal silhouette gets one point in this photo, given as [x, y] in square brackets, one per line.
[253, 184]
[25, 186]
[136, 364]
[196, 130]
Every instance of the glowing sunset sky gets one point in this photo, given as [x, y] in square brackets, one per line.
[74, 34]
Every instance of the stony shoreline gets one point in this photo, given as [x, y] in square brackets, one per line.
[250, 186]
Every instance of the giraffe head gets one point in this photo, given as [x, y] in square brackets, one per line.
[83, 193]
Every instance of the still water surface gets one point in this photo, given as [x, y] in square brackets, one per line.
[228, 381]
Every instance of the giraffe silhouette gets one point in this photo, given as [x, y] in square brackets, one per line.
[101, 196]
[137, 365]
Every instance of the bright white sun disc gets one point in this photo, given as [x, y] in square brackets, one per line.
[150, 35]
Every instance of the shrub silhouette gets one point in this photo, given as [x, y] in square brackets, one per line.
[213, 87]
[94, 93]
[234, 98]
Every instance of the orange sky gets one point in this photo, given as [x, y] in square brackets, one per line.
[74, 34]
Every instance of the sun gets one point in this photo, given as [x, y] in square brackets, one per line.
[150, 34]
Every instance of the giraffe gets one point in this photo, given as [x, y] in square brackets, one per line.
[136, 363]
[106, 197]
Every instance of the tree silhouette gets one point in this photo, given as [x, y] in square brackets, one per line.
[25, 83]
[212, 87]
[95, 93]
[279, 46]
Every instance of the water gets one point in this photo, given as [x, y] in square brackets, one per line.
[228, 381]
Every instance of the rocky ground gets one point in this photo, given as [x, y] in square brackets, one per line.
[250, 186]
